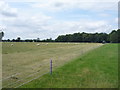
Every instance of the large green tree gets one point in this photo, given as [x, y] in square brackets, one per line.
[113, 36]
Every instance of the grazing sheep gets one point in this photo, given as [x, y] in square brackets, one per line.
[46, 43]
[38, 44]
[11, 44]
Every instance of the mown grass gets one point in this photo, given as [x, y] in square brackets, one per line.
[24, 59]
[96, 69]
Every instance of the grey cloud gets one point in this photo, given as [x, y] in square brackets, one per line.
[6, 10]
[9, 14]
[58, 4]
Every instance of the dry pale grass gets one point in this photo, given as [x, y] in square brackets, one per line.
[24, 59]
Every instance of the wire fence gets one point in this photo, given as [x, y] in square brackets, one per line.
[23, 79]
[46, 68]
[19, 82]
[21, 73]
[30, 80]
[10, 76]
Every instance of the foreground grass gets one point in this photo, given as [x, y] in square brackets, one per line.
[24, 61]
[97, 69]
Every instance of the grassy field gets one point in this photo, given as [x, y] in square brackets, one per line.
[25, 61]
[96, 69]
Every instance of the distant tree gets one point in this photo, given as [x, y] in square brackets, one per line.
[38, 40]
[13, 40]
[28, 40]
[1, 35]
[113, 36]
[60, 38]
[48, 40]
[8, 40]
[118, 34]
[83, 37]
[103, 37]
[18, 39]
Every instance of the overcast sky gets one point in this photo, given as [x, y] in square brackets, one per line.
[43, 19]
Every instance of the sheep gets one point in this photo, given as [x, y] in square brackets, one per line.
[38, 44]
[11, 44]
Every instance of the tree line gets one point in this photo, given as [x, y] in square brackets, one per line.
[28, 40]
[113, 37]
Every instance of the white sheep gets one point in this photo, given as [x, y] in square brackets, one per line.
[12, 44]
[38, 44]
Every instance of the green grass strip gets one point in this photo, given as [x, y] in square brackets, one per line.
[96, 69]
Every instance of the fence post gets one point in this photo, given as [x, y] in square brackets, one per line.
[50, 67]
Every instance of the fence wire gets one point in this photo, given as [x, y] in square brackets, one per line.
[32, 80]
[33, 74]
[10, 76]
